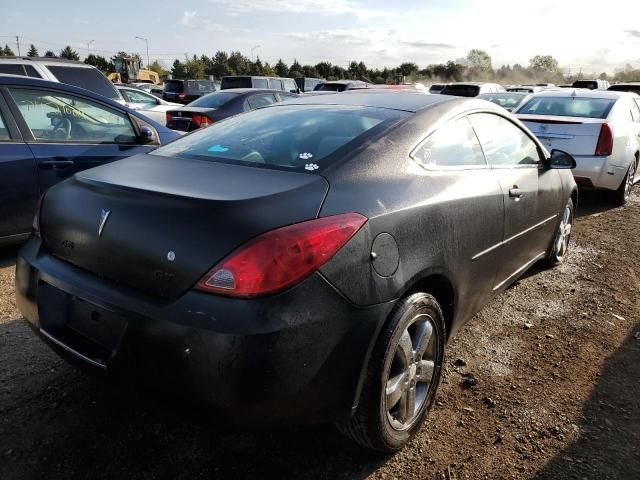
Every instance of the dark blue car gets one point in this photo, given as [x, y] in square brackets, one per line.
[49, 131]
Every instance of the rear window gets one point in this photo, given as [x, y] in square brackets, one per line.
[88, 78]
[213, 100]
[174, 86]
[11, 69]
[235, 82]
[590, 84]
[288, 137]
[568, 107]
[331, 87]
[505, 100]
[461, 90]
[199, 86]
[625, 88]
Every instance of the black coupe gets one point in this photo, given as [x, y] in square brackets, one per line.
[304, 261]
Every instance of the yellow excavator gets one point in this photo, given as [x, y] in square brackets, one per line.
[129, 70]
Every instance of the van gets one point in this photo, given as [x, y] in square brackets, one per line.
[252, 81]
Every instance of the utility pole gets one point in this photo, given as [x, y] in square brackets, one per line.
[252, 50]
[18, 44]
[146, 40]
[89, 47]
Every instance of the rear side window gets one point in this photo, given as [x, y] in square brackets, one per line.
[275, 84]
[11, 69]
[4, 132]
[87, 78]
[289, 85]
[503, 143]
[453, 145]
[263, 100]
[305, 138]
[461, 90]
[54, 116]
[568, 107]
[31, 72]
[199, 86]
[260, 83]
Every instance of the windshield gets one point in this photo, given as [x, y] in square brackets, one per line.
[568, 107]
[87, 78]
[213, 100]
[291, 137]
[461, 90]
[506, 100]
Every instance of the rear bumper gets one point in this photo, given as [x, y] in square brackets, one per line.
[294, 357]
[598, 173]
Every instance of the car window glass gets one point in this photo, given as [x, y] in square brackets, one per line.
[32, 71]
[11, 69]
[453, 145]
[259, 83]
[635, 112]
[139, 97]
[502, 142]
[289, 85]
[4, 132]
[88, 78]
[257, 101]
[57, 116]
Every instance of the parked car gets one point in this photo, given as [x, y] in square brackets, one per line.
[600, 129]
[626, 87]
[525, 88]
[307, 84]
[59, 70]
[340, 86]
[147, 104]
[186, 91]
[275, 265]
[471, 89]
[50, 131]
[249, 81]
[507, 100]
[437, 87]
[591, 84]
[219, 105]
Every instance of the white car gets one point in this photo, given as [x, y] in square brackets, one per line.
[149, 105]
[601, 129]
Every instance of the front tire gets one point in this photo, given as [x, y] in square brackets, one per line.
[402, 377]
[624, 191]
[560, 246]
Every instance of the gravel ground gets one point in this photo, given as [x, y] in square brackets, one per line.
[557, 359]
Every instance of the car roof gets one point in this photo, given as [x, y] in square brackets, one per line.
[21, 81]
[47, 60]
[493, 94]
[408, 101]
[471, 83]
[583, 93]
[248, 90]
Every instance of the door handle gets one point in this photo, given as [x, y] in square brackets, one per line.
[515, 192]
[59, 165]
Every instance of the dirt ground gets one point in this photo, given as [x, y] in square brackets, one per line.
[557, 358]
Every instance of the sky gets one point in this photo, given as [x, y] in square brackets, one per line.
[587, 35]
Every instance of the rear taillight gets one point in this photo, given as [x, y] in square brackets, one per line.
[169, 117]
[281, 258]
[605, 141]
[201, 120]
[182, 96]
[35, 225]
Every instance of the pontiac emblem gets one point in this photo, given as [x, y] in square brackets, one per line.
[104, 216]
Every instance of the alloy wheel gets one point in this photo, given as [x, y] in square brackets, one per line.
[564, 233]
[412, 371]
[630, 178]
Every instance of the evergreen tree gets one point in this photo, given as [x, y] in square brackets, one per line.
[68, 53]
[8, 52]
[281, 68]
[33, 51]
[49, 54]
[178, 69]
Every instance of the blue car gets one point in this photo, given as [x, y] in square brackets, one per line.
[49, 131]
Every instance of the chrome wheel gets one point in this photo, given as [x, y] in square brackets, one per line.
[564, 233]
[411, 375]
[630, 177]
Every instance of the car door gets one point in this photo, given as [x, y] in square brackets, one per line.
[19, 189]
[68, 133]
[532, 193]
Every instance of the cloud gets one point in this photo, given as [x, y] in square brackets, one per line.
[187, 17]
[633, 33]
[423, 44]
[318, 7]
[349, 36]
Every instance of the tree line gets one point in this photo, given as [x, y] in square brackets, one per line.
[477, 65]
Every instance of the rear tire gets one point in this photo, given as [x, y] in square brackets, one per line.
[402, 376]
[624, 191]
[560, 246]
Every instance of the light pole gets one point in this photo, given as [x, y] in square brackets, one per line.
[252, 50]
[89, 47]
[146, 40]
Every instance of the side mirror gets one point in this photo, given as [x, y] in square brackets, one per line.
[147, 135]
[561, 160]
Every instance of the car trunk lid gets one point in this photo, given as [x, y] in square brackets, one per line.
[158, 224]
[575, 135]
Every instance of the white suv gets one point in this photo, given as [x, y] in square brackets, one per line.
[64, 71]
